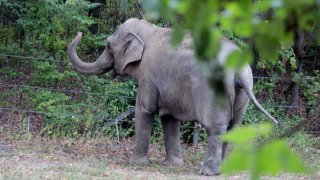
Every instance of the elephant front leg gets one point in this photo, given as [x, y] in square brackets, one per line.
[143, 128]
[146, 106]
[211, 163]
[171, 131]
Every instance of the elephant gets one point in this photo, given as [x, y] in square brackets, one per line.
[171, 85]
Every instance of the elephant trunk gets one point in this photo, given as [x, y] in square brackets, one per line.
[103, 64]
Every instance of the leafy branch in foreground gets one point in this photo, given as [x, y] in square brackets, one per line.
[272, 157]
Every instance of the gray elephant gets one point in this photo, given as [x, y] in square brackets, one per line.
[171, 84]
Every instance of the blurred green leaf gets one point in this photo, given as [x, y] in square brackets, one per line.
[239, 159]
[263, 5]
[237, 59]
[245, 134]
[276, 156]
[268, 47]
[183, 6]
[272, 157]
[177, 35]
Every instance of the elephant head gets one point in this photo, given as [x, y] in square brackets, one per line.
[124, 47]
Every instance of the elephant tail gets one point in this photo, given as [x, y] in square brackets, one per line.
[256, 103]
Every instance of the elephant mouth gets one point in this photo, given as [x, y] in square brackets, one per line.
[114, 73]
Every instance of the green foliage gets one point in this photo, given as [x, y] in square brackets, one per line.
[269, 25]
[47, 22]
[88, 115]
[188, 131]
[48, 101]
[7, 32]
[253, 115]
[271, 157]
[112, 100]
[9, 74]
[301, 140]
[261, 85]
[46, 73]
[56, 120]
[241, 135]
[311, 89]
[287, 58]
[157, 131]
[47, 28]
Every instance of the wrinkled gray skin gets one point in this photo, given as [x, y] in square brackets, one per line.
[171, 84]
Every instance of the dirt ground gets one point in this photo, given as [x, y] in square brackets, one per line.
[38, 158]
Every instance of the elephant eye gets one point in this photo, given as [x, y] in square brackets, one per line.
[108, 46]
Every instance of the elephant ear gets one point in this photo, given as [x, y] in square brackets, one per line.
[133, 49]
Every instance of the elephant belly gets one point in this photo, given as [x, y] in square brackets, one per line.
[183, 116]
[178, 102]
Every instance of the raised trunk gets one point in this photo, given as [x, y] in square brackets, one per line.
[103, 64]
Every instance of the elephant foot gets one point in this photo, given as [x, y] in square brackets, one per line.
[209, 170]
[141, 160]
[178, 162]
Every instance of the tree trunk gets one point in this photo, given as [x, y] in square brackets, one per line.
[298, 51]
[95, 13]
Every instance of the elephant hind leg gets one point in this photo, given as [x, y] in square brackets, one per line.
[171, 130]
[211, 163]
[240, 106]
